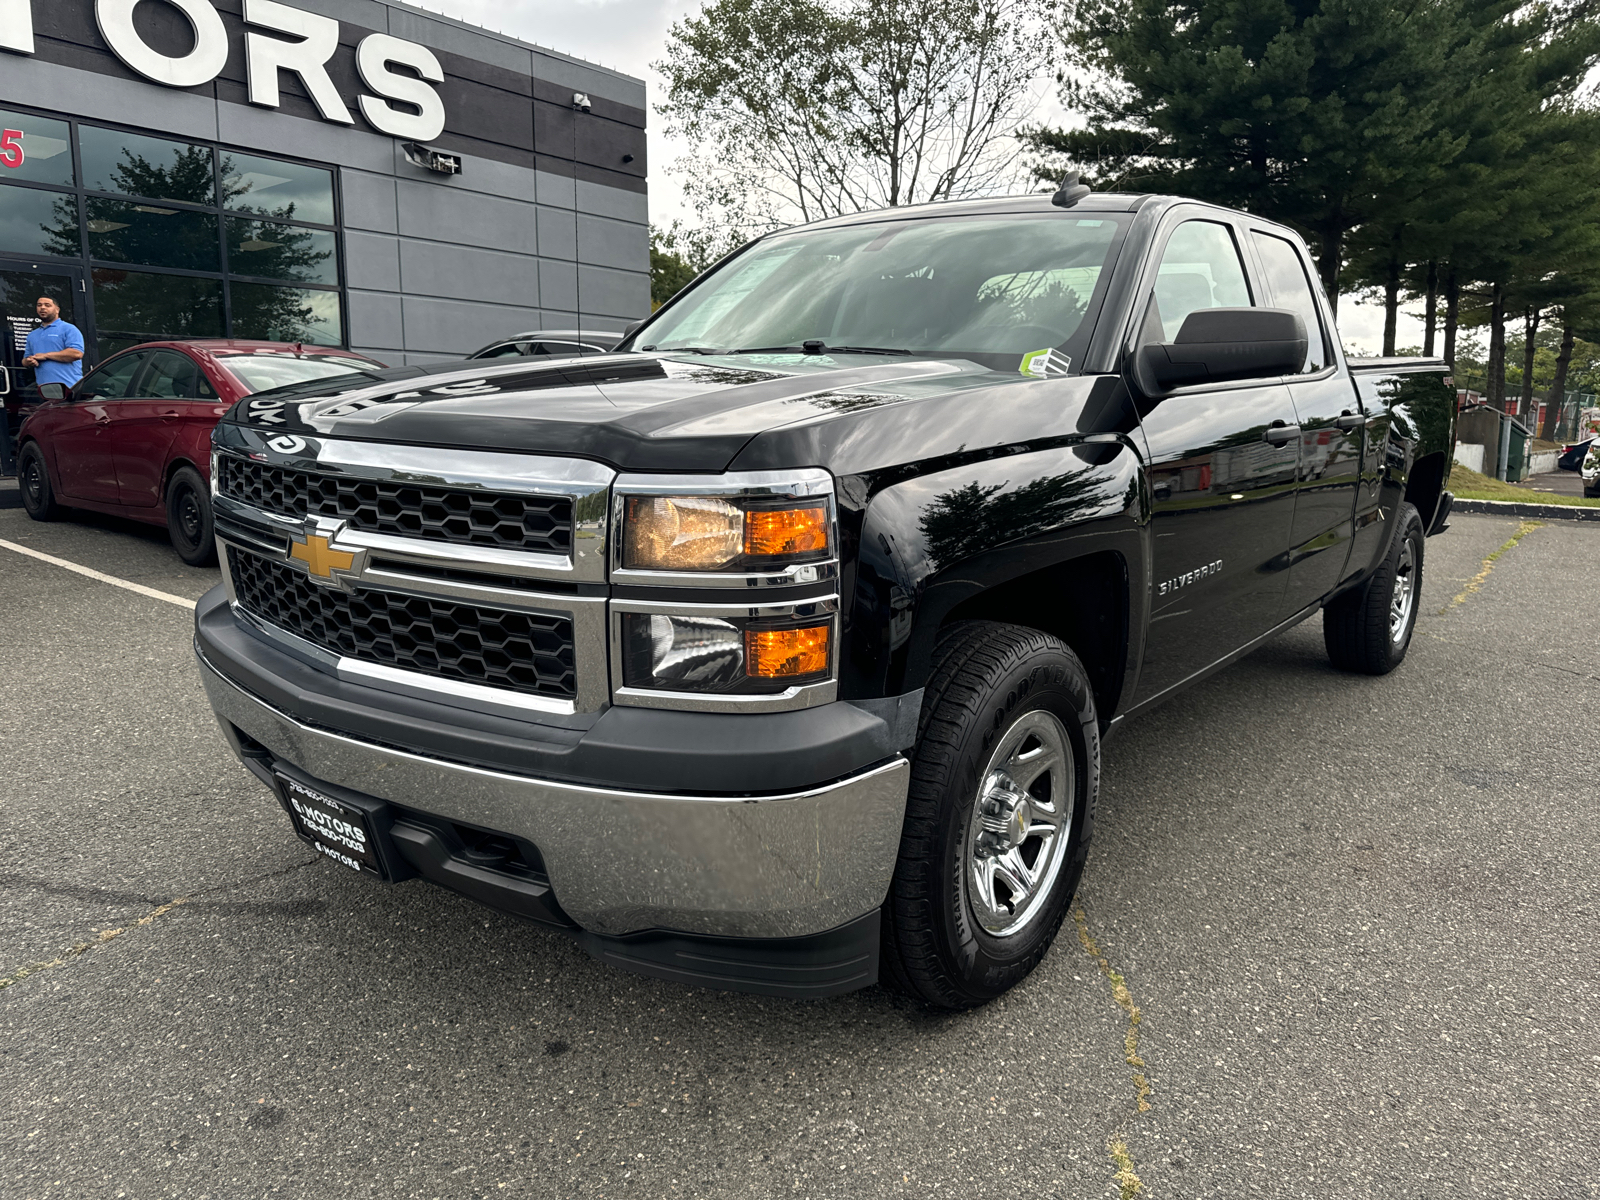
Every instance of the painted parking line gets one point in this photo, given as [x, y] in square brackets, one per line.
[126, 584]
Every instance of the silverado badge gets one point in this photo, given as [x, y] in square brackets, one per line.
[322, 562]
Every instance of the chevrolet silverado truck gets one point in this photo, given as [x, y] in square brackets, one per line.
[774, 651]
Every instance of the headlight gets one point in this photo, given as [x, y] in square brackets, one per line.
[734, 655]
[754, 524]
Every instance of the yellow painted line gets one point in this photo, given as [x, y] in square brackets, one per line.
[82, 948]
[1477, 581]
[126, 584]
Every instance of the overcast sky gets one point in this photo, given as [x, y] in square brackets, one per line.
[628, 35]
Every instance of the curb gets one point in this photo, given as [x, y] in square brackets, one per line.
[1518, 508]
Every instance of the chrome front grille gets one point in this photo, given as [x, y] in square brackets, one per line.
[473, 578]
[466, 517]
[530, 653]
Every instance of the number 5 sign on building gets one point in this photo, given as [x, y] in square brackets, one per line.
[11, 148]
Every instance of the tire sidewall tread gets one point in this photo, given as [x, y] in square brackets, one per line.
[986, 676]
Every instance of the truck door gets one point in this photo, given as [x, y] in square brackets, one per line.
[1223, 463]
[1331, 426]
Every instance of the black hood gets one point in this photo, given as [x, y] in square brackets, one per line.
[633, 411]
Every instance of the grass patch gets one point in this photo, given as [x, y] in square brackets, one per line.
[1468, 484]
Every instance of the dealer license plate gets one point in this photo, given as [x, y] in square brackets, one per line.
[340, 831]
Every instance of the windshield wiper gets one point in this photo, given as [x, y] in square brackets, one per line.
[688, 349]
[818, 347]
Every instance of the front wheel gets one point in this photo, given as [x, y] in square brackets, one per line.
[38, 498]
[1003, 785]
[1369, 629]
[189, 518]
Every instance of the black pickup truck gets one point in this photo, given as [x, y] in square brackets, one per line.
[774, 651]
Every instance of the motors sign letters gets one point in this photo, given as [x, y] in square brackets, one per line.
[299, 41]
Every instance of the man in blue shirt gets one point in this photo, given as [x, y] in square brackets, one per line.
[55, 349]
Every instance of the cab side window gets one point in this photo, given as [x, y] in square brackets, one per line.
[1200, 268]
[169, 376]
[112, 381]
[1289, 286]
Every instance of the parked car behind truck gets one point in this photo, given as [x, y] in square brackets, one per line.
[775, 651]
[133, 437]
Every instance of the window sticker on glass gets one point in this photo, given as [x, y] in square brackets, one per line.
[1043, 364]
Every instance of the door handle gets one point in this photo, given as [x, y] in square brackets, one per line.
[101, 419]
[1277, 434]
[1349, 420]
[168, 414]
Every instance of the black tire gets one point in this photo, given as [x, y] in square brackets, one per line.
[1369, 628]
[33, 479]
[1591, 490]
[189, 518]
[991, 685]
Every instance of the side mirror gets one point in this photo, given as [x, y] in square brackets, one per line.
[1219, 344]
[54, 391]
[627, 330]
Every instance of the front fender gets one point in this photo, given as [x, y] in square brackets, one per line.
[932, 543]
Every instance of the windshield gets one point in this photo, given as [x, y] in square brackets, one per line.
[258, 372]
[996, 289]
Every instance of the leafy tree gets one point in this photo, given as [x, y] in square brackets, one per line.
[679, 253]
[804, 109]
[1317, 113]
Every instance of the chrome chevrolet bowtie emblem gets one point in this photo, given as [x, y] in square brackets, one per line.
[324, 563]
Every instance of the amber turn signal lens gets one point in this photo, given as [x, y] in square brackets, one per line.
[786, 530]
[782, 653]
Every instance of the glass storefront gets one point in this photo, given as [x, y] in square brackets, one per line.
[175, 239]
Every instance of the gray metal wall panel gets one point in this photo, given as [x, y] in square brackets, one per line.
[613, 202]
[459, 327]
[417, 26]
[460, 273]
[376, 319]
[268, 132]
[558, 284]
[371, 261]
[558, 233]
[478, 175]
[96, 97]
[466, 218]
[582, 77]
[606, 243]
[558, 191]
[369, 202]
[621, 294]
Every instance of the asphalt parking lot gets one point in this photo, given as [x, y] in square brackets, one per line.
[1346, 927]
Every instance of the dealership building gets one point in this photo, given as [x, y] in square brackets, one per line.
[345, 172]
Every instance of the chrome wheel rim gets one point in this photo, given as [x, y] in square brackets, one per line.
[1405, 592]
[1021, 824]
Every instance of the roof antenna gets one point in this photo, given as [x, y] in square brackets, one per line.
[1070, 191]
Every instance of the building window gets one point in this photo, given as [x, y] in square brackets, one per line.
[35, 150]
[180, 239]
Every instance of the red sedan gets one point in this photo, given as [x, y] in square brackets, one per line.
[133, 437]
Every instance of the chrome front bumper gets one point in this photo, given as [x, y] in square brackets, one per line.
[771, 866]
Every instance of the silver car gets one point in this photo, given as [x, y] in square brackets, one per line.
[551, 343]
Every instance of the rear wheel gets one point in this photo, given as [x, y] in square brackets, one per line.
[189, 518]
[1369, 629]
[997, 820]
[38, 497]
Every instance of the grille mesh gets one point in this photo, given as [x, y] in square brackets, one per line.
[523, 652]
[440, 514]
